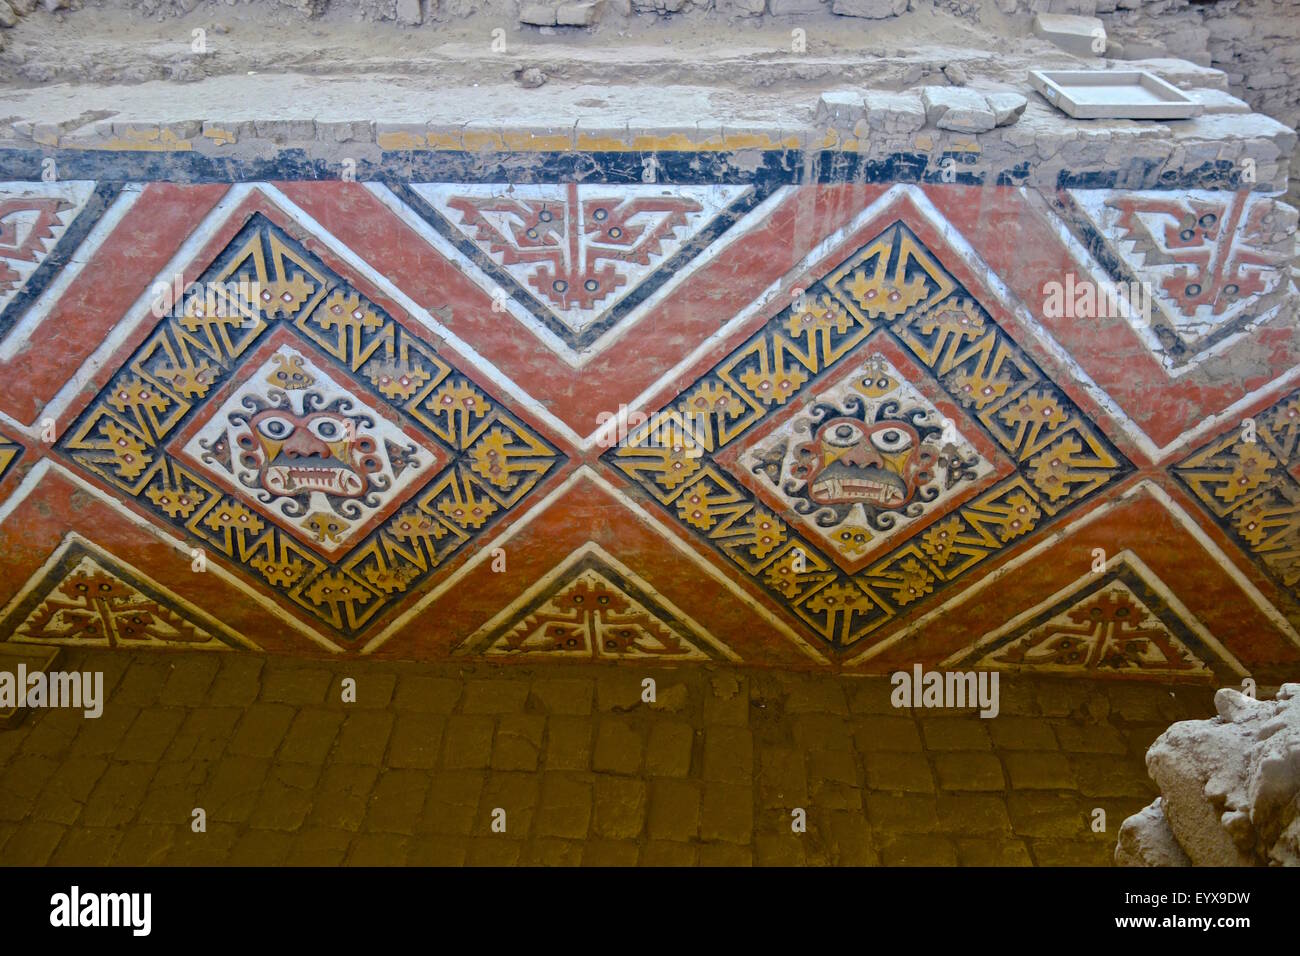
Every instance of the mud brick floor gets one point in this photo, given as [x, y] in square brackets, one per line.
[587, 774]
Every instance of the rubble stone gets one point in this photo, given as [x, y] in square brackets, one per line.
[1230, 787]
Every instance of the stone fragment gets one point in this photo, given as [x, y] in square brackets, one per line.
[582, 14]
[537, 14]
[894, 112]
[955, 74]
[1230, 786]
[409, 12]
[742, 8]
[869, 9]
[1146, 840]
[530, 78]
[8, 17]
[957, 108]
[1006, 107]
[1078, 35]
[840, 107]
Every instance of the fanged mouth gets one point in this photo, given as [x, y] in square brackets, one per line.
[297, 479]
[844, 484]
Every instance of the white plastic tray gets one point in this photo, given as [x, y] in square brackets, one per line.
[1113, 94]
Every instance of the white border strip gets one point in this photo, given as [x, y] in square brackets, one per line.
[22, 330]
[140, 311]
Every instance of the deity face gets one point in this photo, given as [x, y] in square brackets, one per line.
[849, 461]
[317, 451]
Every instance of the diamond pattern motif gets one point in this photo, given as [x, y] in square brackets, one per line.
[728, 415]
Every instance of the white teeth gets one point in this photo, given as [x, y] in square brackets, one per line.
[857, 487]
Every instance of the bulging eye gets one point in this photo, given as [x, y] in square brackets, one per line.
[891, 440]
[275, 427]
[327, 429]
[843, 435]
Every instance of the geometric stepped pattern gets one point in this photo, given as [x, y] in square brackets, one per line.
[769, 419]
[1114, 621]
[580, 257]
[892, 290]
[41, 225]
[362, 531]
[1214, 264]
[591, 610]
[1250, 485]
[90, 599]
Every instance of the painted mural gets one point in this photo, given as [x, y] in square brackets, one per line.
[755, 419]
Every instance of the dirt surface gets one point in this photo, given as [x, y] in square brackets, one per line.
[123, 45]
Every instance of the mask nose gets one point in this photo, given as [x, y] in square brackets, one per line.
[303, 444]
[862, 455]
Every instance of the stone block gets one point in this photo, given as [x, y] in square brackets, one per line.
[1082, 36]
[538, 14]
[579, 14]
[1146, 840]
[1006, 107]
[786, 8]
[843, 108]
[869, 9]
[409, 12]
[957, 108]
